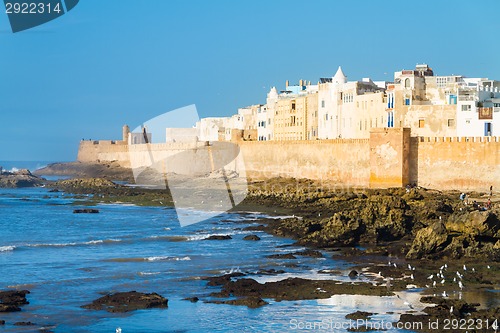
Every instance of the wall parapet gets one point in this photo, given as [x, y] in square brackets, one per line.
[478, 139]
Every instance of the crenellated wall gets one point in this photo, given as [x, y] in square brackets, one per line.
[390, 158]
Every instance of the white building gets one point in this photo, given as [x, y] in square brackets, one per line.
[349, 109]
[478, 108]
[210, 128]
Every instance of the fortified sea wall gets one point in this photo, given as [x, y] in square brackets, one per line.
[389, 158]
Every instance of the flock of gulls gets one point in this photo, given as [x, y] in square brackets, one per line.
[435, 280]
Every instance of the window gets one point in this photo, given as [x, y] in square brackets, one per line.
[407, 101]
[407, 83]
[421, 123]
[293, 105]
[451, 122]
[466, 107]
[467, 121]
[322, 103]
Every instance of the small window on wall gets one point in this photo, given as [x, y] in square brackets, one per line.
[467, 121]
[421, 123]
[451, 122]
[407, 101]
[466, 107]
[323, 104]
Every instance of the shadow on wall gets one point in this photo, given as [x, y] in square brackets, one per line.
[413, 160]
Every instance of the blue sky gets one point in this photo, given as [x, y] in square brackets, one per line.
[114, 62]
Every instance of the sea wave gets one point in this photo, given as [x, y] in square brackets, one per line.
[91, 242]
[155, 258]
[148, 273]
[166, 258]
[7, 248]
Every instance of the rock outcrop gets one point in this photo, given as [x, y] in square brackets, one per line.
[12, 300]
[128, 301]
[21, 178]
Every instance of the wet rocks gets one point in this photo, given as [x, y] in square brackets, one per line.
[192, 299]
[429, 241]
[24, 323]
[219, 237]
[78, 185]
[223, 279]
[251, 238]
[86, 211]
[2, 322]
[11, 300]
[359, 315]
[21, 178]
[297, 289]
[451, 309]
[353, 274]
[251, 302]
[128, 301]
[281, 256]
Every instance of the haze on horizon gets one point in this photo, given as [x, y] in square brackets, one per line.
[109, 63]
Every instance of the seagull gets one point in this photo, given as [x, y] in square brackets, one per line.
[451, 309]
[445, 266]
[409, 267]
[454, 279]
[395, 266]
[488, 267]
[442, 281]
[473, 269]
[445, 294]
[411, 277]
[409, 305]
[465, 268]
[460, 285]
[434, 284]
[430, 277]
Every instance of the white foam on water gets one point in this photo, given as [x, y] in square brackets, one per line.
[8, 248]
[167, 258]
[148, 273]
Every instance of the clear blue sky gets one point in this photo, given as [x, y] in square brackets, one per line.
[112, 62]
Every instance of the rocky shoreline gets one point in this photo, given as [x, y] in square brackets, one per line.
[21, 178]
[400, 238]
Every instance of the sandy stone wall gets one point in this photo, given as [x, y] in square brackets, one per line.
[390, 158]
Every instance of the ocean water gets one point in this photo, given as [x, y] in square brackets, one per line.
[17, 165]
[67, 260]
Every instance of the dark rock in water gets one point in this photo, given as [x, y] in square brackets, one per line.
[451, 309]
[86, 211]
[271, 271]
[251, 238]
[9, 308]
[353, 274]
[192, 299]
[24, 323]
[218, 237]
[128, 301]
[359, 315]
[251, 302]
[297, 289]
[10, 300]
[2, 322]
[223, 279]
[282, 256]
[54, 190]
[21, 178]
[309, 253]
